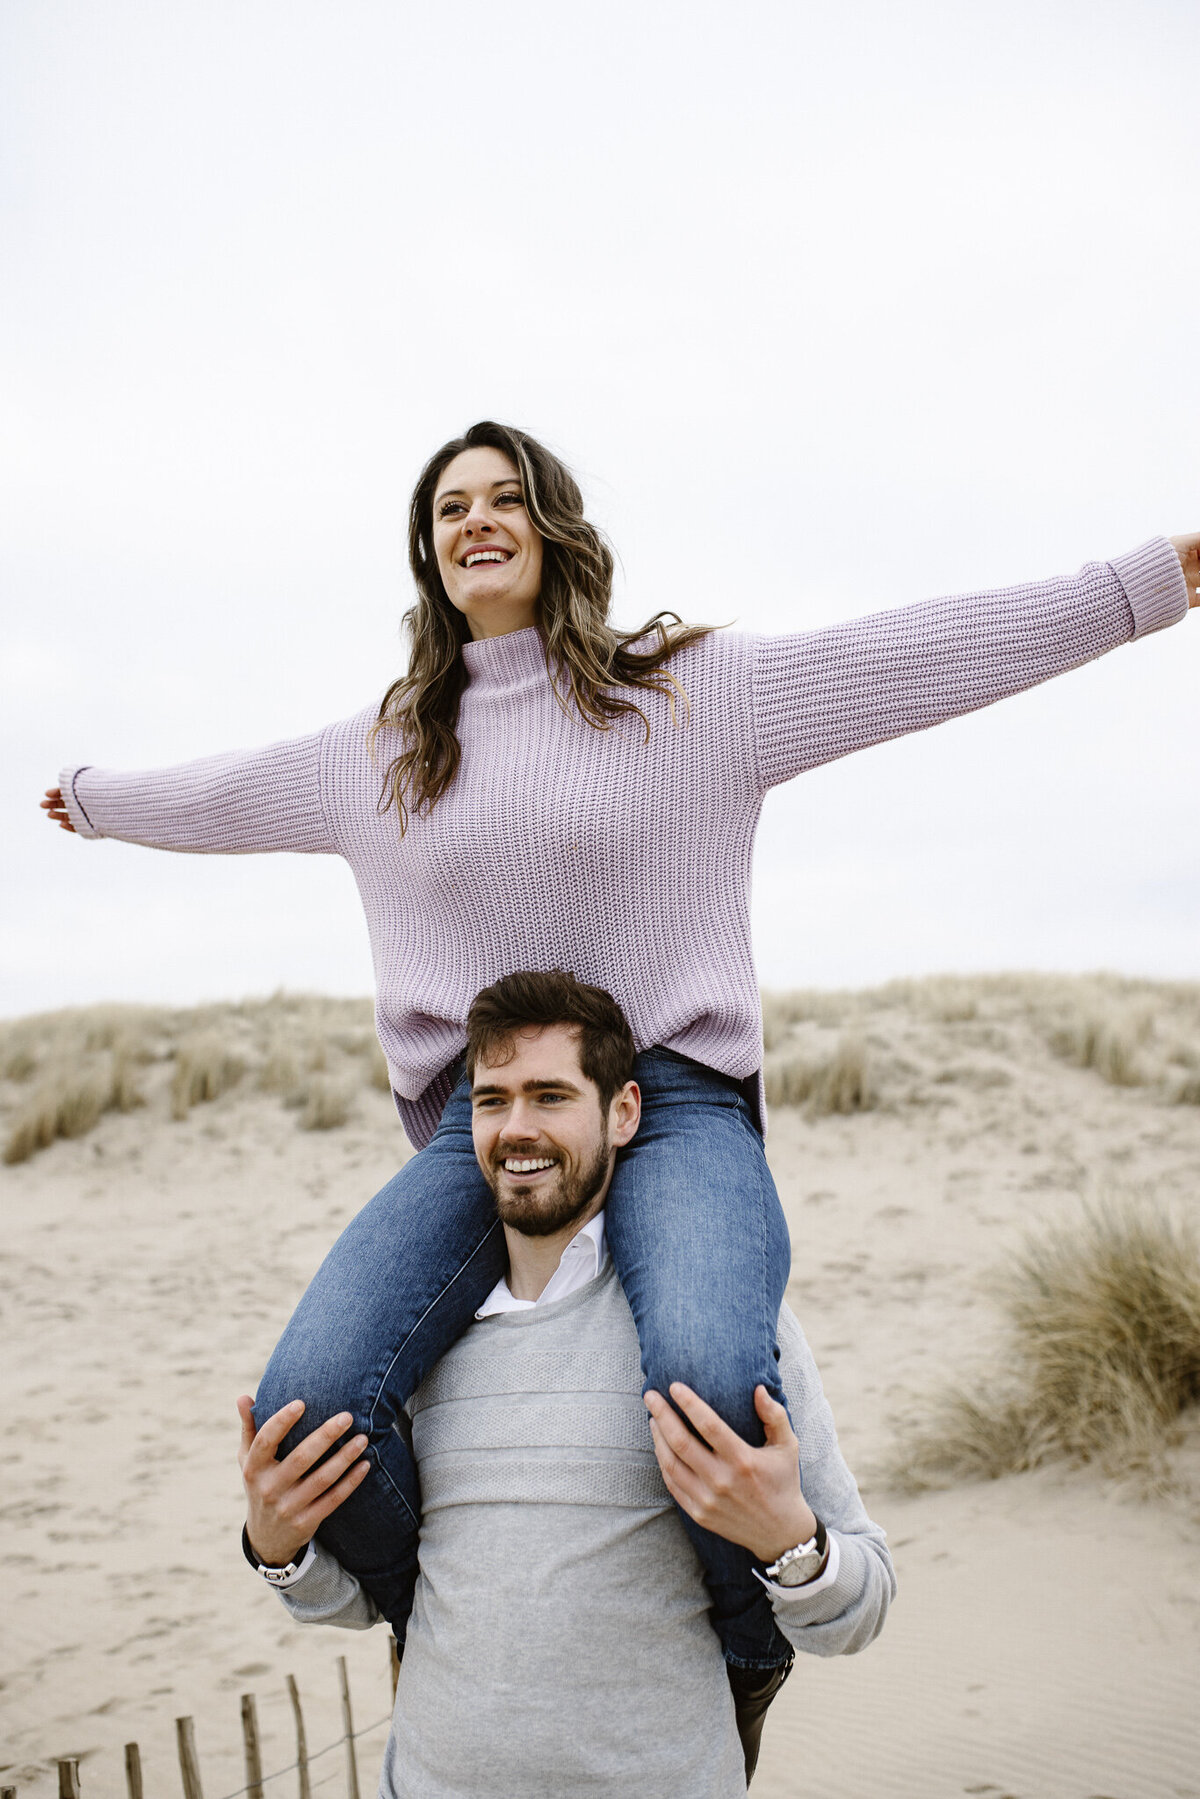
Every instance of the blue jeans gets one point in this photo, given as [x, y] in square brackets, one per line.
[701, 1247]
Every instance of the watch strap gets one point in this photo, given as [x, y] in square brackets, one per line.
[274, 1575]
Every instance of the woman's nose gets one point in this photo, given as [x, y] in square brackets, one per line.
[477, 523]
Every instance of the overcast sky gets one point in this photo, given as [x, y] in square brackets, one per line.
[833, 307]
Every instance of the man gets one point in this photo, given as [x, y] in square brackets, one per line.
[559, 1640]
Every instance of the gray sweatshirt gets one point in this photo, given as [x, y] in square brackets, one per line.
[560, 1640]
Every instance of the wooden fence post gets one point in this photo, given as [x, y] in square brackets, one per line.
[250, 1745]
[301, 1739]
[348, 1720]
[133, 1771]
[393, 1664]
[68, 1777]
[8, 1793]
[189, 1765]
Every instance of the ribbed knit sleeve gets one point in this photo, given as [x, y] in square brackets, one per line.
[233, 804]
[844, 1616]
[822, 694]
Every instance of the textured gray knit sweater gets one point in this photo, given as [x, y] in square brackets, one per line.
[560, 1641]
[624, 861]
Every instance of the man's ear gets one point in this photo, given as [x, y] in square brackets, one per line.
[624, 1115]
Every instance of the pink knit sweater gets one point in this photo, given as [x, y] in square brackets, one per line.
[624, 861]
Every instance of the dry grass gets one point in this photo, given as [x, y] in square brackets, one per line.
[379, 1075]
[205, 1067]
[69, 1100]
[1103, 1354]
[824, 1081]
[60, 1072]
[328, 1103]
[1112, 1041]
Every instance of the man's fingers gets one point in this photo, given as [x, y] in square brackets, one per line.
[675, 1432]
[336, 1495]
[712, 1427]
[309, 1487]
[777, 1426]
[245, 1406]
[270, 1435]
[680, 1480]
[317, 1443]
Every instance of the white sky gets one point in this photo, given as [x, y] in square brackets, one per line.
[832, 307]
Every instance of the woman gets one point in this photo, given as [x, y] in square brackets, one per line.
[538, 791]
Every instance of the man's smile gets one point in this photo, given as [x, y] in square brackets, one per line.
[529, 1170]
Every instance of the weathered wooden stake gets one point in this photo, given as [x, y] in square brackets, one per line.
[250, 1745]
[393, 1663]
[68, 1777]
[8, 1793]
[301, 1739]
[189, 1763]
[348, 1720]
[133, 1770]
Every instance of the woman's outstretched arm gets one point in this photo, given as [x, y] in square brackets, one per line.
[233, 804]
[822, 694]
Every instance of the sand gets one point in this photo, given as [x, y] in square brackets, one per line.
[1045, 1641]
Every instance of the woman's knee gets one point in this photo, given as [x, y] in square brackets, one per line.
[723, 1372]
[324, 1385]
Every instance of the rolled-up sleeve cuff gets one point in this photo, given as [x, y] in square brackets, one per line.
[1154, 585]
[67, 781]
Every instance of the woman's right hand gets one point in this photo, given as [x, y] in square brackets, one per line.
[53, 804]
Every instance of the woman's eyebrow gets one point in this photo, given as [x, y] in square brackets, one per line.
[460, 493]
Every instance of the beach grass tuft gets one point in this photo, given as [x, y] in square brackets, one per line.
[205, 1067]
[328, 1103]
[1101, 1357]
[823, 1081]
[71, 1097]
[1111, 1041]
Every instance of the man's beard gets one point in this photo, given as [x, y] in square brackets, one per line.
[537, 1212]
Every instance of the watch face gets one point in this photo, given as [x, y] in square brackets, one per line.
[804, 1568]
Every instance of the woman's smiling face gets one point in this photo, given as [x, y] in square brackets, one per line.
[489, 554]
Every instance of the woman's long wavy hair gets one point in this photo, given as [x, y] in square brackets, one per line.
[591, 665]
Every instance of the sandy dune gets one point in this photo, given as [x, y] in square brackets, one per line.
[1045, 1643]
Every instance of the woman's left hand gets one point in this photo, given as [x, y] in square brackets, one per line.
[1188, 551]
[749, 1496]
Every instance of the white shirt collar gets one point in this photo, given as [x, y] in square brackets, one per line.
[582, 1260]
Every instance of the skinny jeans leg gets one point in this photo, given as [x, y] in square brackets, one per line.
[401, 1284]
[701, 1247]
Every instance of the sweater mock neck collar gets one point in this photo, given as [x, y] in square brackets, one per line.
[508, 661]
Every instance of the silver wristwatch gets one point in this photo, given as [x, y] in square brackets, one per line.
[796, 1567]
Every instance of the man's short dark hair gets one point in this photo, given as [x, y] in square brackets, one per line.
[527, 1000]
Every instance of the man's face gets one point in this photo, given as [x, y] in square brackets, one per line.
[544, 1142]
